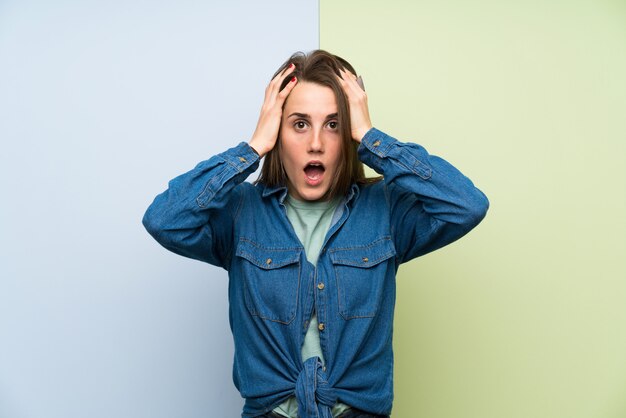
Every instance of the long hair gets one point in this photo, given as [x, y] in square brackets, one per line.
[322, 68]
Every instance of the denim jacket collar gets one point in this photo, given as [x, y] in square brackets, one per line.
[269, 190]
[353, 193]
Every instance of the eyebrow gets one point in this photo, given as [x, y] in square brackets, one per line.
[306, 116]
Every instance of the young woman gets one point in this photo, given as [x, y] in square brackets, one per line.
[312, 248]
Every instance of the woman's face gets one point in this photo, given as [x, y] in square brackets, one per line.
[310, 140]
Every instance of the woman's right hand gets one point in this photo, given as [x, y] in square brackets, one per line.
[266, 132]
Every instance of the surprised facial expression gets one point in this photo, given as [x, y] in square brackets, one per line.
[310, 141]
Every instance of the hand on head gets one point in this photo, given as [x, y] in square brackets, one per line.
[266, 132]
[357, 98]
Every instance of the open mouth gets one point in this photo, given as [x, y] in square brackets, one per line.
[314, 171]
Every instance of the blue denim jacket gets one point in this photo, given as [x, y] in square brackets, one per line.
[211, 214]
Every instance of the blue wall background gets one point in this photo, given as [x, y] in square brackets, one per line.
[101, 103]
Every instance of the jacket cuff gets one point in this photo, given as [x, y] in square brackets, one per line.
[377, 142]
[241, 157]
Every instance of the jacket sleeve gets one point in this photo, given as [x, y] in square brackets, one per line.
[431, 203]
[194, 217]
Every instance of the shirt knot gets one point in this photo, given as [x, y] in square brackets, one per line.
[315, 396]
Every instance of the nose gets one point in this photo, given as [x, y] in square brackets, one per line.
[316, 141]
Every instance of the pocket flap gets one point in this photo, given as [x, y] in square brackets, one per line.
[364, 256]
[265, 257]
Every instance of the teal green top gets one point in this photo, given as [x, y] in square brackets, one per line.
[311, 221]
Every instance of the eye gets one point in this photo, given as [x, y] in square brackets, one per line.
[300, 125]
[333, 124]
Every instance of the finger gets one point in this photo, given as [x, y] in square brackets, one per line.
[343, 78]
[348, 79]
[282, 96]
[273, 88]
[347, 75]
[349, 83]
[280, 77]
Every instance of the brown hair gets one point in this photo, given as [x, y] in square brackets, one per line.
[322, 68]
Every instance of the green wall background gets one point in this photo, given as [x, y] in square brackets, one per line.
[526, 316]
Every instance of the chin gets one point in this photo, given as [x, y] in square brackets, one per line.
[313, 195]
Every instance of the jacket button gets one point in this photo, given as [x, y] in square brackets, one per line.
[365, 259]
[320, 286]
[321, 327]
[243, 160]
[377, 143]
[268, 261]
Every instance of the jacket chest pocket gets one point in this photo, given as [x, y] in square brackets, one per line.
[360, 273]
[271, 278]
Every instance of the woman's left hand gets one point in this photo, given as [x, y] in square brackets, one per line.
[357, 98]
